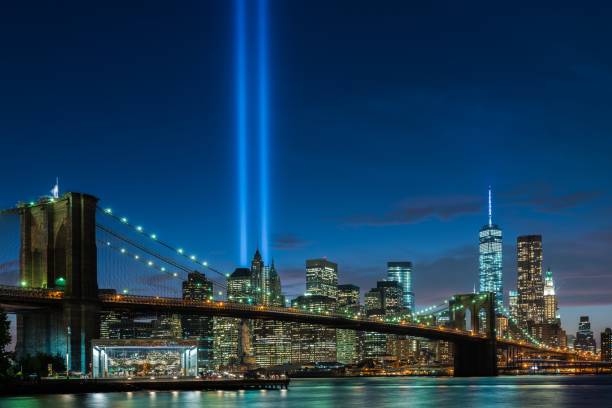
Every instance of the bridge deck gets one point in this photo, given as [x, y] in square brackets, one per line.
[13, 297]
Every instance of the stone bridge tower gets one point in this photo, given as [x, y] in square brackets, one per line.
[58, 250]
[471, 358]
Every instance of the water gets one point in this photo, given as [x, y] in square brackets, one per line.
[536, 391]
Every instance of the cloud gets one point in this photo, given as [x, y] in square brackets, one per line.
[285, 242]
[421, 209]
[542, 198]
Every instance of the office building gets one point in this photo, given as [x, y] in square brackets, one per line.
[321, 278]
[347, 341]
[310, 342]
[490, 258]
[606, 345]
[584, 336]
[550, 300]
[530, 286]
[401, 272]
[197, 327]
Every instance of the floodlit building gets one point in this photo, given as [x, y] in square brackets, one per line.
[530, 286]
[321, 278]
[584, 337]
[490, 258]
[401, 272]
[606, 345]
[310, 342]
[197, 327]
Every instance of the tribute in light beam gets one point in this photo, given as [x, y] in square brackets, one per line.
[262, 40]
[241, 129]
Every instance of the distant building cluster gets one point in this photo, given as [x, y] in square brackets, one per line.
[231, 343]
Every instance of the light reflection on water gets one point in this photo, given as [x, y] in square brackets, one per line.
[521, 392]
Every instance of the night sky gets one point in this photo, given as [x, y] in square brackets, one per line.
[389, 120]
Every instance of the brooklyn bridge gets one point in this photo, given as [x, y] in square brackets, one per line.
[59, 295]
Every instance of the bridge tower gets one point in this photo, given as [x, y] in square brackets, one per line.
[475, 358]
[58, 250]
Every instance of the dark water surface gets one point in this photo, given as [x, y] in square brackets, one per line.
[535, 391]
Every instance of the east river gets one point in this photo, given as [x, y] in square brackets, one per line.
[524, 391]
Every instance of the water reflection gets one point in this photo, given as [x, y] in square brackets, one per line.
[521, 392]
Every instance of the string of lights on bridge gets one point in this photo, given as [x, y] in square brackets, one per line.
[153, 237]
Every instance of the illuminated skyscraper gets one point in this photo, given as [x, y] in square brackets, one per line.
[529, 280]
[513, 304]
[321, 278]
[228, 332]
[272, 338]
[584, 337]
[311, 342]
[490, 258]
[199, 327]
[550, 300]
[258, 278]
[347, 341]
[606, 345]
[402, 272]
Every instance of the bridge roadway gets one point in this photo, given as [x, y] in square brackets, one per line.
[13, 298]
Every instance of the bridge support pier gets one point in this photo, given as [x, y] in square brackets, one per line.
[475, 359]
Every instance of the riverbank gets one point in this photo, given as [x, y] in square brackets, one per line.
[80, 386]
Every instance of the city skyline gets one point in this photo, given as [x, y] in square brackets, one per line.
[417, 201]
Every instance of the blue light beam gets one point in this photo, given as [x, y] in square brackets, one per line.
[264, 131]
[241, 125]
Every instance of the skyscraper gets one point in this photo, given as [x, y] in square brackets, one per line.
[312, 342]
[228, 332]
[529, 280]
[402, 272]
[513, 304]
[347, 341]
[199, 327]
[258, 278]
[272, 338]
[584, 336]
[606, 345]
[321, 278]
[550, 299]
[490, 258]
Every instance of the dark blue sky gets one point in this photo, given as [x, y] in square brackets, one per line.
[388, 122]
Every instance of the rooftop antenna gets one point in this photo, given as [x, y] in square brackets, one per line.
[55, 189]
[490, 209]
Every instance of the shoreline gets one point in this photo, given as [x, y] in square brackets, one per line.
[84, 386]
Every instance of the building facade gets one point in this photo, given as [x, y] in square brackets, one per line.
[530, 286]
[584, 336]
[197, 327]
[347, 341]
[490, 258]
[321, 278]
[312, 343]
[606, 345]
[401, 272]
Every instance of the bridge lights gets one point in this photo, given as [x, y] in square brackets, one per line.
[180, 251]
[125, 291]
[108, 210]
[124, 220]
[153, 236]
[192, 257]
[139, 228]
[24, 284]
[175, 274]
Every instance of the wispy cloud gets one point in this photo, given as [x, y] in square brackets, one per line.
[541, 197]
[285, 242]
[420, 209]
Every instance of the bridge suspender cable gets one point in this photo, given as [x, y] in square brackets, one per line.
[153, 237]
[144, 249]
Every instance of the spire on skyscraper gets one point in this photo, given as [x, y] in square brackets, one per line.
[490, 209]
